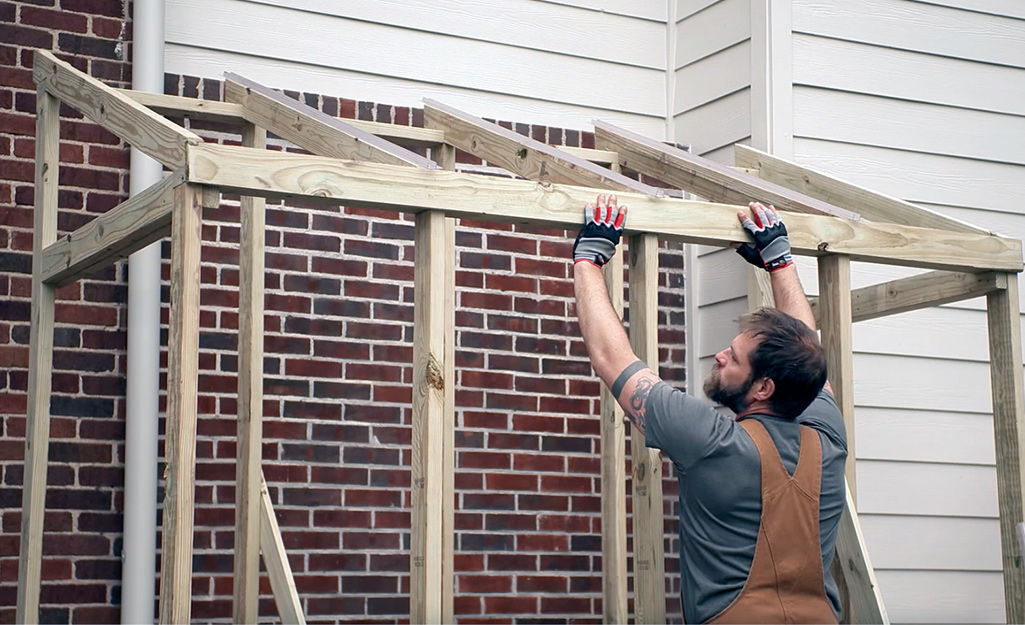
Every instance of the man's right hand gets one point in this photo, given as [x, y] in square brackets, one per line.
[771, 248]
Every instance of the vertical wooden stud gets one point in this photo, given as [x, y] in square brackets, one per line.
[182, 380]
[648, 543]
[613, 479]
[37, 427]
[433, 334]
[1005, 368]
[835, 325]
[250, 398]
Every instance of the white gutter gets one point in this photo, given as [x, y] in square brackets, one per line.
[139, 556]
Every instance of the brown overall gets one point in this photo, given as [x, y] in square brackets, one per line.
[785, 584]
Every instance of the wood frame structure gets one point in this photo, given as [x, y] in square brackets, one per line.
[364, 164]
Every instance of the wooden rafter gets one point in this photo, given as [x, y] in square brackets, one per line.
[916, 292]
[133, 123]
[705, 178]
[869, 204]
[314, 130]
[522, 155]
[259, 172]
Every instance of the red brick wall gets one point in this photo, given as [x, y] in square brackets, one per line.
[337, 365]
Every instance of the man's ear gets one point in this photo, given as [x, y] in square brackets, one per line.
[763, 388]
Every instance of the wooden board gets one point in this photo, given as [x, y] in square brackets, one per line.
[153, 135]
[863, 592]
[648, 539]
[403, 188]
[522, 155]
[703, 177]
[615, 606]
[40, 366]
[312, 129]
[249, 451]
[116, 234]
[433, 414]
[870, 204]
[1008, 390]
[182, 396]
[279, 571]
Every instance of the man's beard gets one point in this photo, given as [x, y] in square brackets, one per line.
[732, 398]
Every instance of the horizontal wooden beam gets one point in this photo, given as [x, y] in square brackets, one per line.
[705, 178]
[128, 227]
[314, 130]
[869, 204]
[522, 155]
[917, 292]
[193, 108]
[282, 175]
[155, 136]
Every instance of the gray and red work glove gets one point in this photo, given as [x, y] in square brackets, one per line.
[603, 226]
[771, 248]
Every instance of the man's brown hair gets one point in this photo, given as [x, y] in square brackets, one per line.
[789, 353]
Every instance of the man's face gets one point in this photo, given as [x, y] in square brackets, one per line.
[730, 380]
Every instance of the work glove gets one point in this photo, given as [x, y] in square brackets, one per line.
[771, 248]
[603, 226]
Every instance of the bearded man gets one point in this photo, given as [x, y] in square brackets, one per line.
[761, 491]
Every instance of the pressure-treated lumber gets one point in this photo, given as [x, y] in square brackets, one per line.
[314, 130]
[182, 379]
[282, 583]
[648, 543]
[246, 582]
[433, 396]
[522, 155]
[837, 342]
[259, 172]
[1005, 354]
[37, 426]
[917, 292]
[865, 600]
[708, 179]
[116, 234]
[152, 134]
[869, 204]
[615, 608]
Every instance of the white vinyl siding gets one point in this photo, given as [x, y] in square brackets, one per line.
[925, 101]
[554, 63]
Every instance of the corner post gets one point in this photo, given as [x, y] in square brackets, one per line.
[37, 427]
[1006, 377]
[182, 395]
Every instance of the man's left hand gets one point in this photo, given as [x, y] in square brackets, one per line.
[603, 226]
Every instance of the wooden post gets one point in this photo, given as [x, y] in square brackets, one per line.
[246, 607]
[1005, 368]
[649, 543]
[446, 159]
[37, 426]
[182, 380]
[613, 479]
[835, 325]
[433, 403]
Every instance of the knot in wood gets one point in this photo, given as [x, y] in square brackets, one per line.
[824, 246]
[435, 377]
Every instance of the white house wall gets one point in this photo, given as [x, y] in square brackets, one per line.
[933, 113]
[555, 63]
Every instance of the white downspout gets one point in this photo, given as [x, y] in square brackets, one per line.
[139, 556]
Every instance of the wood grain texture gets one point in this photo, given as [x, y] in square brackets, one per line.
[40, 367]
[257, 172]
[703, 177]
[648, 540]
[1008, 390]
[116, 234]
[869, 204]
[157, 137]
[282, 583]
[312, 129]
[249, 450]
[835, 328]
[182, 396]
[433, 414]
[866, 601]
[522, 155]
